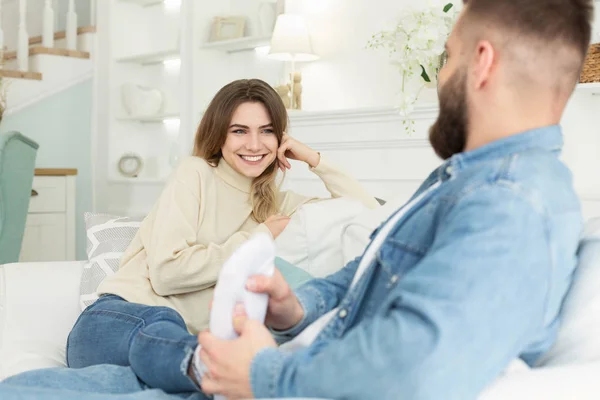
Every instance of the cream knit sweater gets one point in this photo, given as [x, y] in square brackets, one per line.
[201, 217]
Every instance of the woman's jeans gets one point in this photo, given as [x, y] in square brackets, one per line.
[153, 341]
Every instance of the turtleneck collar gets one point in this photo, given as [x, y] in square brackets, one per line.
[232, 177]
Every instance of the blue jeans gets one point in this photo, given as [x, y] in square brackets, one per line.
[153, 341]
[101, 382]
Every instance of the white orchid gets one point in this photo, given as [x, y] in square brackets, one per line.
[415, 45]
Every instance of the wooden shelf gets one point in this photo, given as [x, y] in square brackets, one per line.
[241, 44]
[62, 34]
[149, 119]
[8, 73]
[144, 3]
[55, 171]
[12, 55]
[150, 58]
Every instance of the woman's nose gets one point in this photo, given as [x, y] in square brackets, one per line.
[253, 142]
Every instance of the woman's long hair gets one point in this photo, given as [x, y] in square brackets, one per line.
[212, 133]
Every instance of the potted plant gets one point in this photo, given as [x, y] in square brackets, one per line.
[416, 47]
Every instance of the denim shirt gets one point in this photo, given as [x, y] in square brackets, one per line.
[469, 279]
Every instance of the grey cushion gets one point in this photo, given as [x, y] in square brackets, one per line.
[108, 236]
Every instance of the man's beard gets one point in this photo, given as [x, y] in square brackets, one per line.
[448, 135]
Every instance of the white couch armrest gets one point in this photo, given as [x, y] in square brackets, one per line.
[550, 383]
[39, 303]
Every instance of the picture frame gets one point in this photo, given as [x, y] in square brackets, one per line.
[227, 28]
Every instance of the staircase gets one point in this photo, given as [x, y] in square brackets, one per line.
[46, 64]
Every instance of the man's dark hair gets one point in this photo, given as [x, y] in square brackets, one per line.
[566, 22]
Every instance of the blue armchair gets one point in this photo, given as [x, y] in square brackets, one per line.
[17, 164]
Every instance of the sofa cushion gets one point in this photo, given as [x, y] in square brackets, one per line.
[294, 276]
[356, 234]
[108, 236]
[313, 238]
[578, 338]
[38, 307]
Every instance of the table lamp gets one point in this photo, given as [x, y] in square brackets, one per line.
[291, 42]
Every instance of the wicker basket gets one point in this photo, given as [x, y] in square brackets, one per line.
[591, 67]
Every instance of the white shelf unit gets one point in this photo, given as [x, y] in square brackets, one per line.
[138, 41]
[138, 52]
[150, 58]
[150, 118]
[236, 45]
[145, 181]
[143, 3]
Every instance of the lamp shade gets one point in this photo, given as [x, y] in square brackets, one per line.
[290, 41]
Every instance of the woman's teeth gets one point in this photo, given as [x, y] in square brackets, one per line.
[252, 159]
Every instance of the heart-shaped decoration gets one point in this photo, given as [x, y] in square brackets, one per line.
[141, 101]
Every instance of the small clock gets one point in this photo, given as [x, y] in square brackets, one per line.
[130, 165]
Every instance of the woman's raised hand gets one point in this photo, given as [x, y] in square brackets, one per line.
[295, 150]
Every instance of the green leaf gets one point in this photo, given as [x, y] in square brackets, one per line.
[448, 7]
[424, 75]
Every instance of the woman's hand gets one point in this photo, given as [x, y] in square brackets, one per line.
[293, 149]
[276, 224]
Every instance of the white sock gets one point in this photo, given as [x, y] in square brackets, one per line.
[256, 256]
[198, 366]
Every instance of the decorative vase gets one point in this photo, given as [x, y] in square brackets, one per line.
[266, 17]
[141, 101]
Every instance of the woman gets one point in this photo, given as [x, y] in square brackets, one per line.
[151, 309]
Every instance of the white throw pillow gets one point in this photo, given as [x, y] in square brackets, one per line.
[357, 232]
[313, 238]
[579, 336]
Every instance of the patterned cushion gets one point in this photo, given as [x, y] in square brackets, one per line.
[108, 236]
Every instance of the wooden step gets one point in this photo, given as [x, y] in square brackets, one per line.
[12, 55]
[9, 73]
[62, 34]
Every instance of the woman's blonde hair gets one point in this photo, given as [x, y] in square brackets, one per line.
[212, 133]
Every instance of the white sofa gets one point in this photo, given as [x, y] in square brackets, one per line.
[39, 303]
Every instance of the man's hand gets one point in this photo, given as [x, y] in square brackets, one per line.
[228, 361]
[284, 310]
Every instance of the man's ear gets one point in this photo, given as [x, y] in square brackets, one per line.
[485, 60]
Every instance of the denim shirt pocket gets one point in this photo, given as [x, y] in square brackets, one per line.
[396, 257]
[408, 242]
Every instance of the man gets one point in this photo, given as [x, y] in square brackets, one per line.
[472, 273]
[464, 279]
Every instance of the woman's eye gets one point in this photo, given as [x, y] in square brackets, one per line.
[239, 131]
[269, 131]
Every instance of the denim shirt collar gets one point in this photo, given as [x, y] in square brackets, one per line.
[549, 138]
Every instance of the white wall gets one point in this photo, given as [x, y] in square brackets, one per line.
[582, 143]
